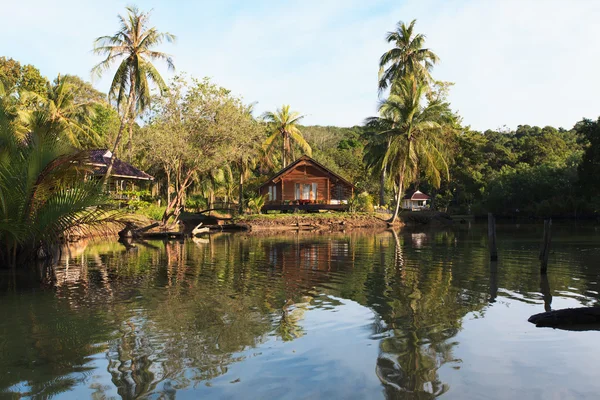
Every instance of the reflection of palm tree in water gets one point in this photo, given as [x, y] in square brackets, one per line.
[129, 363]
[291, 314]
[408, 361]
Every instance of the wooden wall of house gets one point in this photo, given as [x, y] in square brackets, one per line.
[289, 187]
[339, 190]
[264, 191]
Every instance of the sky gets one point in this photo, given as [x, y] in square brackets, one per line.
[512, 62]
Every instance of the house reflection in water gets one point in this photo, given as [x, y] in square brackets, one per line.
[305, 261]
[418, 239]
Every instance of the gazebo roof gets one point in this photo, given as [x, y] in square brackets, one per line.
[100, 158]
[417, 195]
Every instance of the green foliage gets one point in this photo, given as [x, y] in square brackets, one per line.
[532, 170]
[283, 127]
[407, 57]
[133, 44]
[43, 193]
[589, 169]
[365, 203]
[150, 210]
[105, 124]
[20, 78]
[413, 137]
[362, 202]
[196, 202]
[256, 203]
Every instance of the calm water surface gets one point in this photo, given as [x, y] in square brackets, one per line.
[400, 315]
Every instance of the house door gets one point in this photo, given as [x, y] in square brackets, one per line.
[306, 191]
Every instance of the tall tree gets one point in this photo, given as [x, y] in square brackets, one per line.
[132, 44]
[589, 168]
[283, 125]
[407, 57]
[414, 138]
[15, 76]
[74, 114]
[193, 132]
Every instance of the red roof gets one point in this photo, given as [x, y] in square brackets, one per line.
[417, 195]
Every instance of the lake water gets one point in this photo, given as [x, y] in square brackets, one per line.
[413, 314]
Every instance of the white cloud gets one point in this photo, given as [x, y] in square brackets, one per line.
[514, 62]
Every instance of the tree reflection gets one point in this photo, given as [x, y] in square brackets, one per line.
[425, 313]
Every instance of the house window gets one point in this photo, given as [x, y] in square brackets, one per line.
[306, 191]
[272, 193]
[339, 192]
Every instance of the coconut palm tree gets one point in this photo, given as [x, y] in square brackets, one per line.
[130, 88]
[407, 57]
[74, 117]
[414, 137]
[283, 125]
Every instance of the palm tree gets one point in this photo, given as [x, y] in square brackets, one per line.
[284, 127]
[133, 45]
[407, 57]
[414, 136]
[375, 150]
[74, 117]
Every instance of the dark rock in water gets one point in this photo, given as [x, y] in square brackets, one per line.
[568, 318]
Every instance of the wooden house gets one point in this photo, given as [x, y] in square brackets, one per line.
[306, 185]
[415, 201]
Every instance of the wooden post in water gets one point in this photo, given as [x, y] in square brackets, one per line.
[492, 237]
[545, 251]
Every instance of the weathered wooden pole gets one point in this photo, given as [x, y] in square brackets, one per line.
[545, 289]
[546, 239]
[492, 237]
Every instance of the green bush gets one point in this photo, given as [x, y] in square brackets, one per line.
[152, 211]
[196, 202]
[361, 203]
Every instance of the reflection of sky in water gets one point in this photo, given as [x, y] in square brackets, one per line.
[334, 359]
[506, 357]
[423, 309]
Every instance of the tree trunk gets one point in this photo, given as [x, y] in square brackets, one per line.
[399, 196]
[283, 152]
[241, 195]
[127, 111]
[130, 144]
[168, 187]
[173, 206]
[382, 188]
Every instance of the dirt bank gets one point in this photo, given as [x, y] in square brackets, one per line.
[321, 221]
[341, 221]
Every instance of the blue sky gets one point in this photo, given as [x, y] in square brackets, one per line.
[513, 62]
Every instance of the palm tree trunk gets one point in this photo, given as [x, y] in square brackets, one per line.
[283, 151]
[399, 195]
[124, 118]
[382, 188]
[130, 143]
